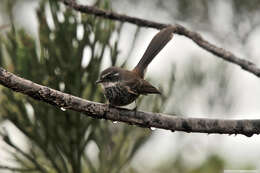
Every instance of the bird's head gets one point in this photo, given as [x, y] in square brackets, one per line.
[109, 76]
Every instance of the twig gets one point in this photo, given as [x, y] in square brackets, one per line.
[13, 169]
[181, 30]
[143, 119]
[7, 140]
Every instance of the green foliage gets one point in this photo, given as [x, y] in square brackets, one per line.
[59, 140]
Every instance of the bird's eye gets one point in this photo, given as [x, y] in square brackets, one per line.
[105, 76]
[113, 76]
[110, 76]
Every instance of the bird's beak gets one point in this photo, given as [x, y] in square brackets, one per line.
[98, 81]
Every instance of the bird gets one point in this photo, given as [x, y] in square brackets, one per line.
[122, 87]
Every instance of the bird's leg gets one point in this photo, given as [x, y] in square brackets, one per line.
[109, 105]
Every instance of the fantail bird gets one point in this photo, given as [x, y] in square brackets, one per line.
[122, 87]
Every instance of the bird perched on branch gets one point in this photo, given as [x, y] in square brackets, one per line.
[122, 87]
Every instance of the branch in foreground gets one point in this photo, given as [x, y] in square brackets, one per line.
[181, 30]
[143, 119]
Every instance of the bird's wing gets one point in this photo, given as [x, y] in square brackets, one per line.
[147, 88]
[140, 86]
[132, 86]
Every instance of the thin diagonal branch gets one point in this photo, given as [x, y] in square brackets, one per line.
[143, 119]
[181, 30]
[7, 140]
[14, 169]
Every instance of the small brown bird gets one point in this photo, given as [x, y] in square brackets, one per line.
[122, 87]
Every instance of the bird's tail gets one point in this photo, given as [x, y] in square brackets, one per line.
[158, 42]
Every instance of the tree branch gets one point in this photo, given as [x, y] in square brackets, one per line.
[181, 30]
[143, 119]
[14, 169]
[7, 140]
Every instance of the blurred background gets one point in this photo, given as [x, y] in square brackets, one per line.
[50, 44]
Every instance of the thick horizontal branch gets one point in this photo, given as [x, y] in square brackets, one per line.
[181, 30]
[143, 119]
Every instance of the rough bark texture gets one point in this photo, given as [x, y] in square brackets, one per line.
[181, 30]
[143, 119]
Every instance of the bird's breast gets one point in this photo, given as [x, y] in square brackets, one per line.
[118, 95]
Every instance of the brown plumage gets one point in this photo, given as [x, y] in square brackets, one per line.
[122, 87]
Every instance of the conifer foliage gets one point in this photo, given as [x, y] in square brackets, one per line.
[60, 140]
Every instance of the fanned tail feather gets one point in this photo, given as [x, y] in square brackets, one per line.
[156, 45]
